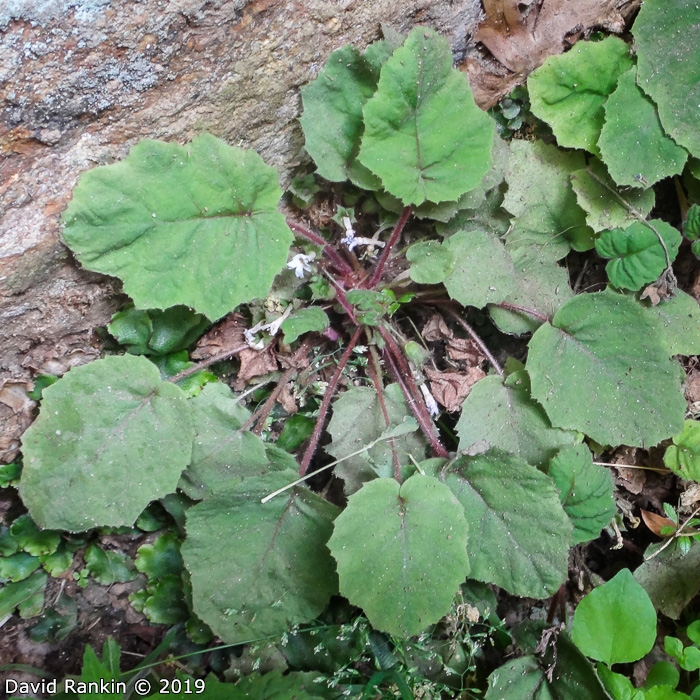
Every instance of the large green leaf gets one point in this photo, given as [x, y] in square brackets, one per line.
[568, 91]
[586, 491]
[638, 256]
[632, 143]
[540, 285]
[221, 453]
[401, 552]
[194, 225]
[572, 676]
[501, 413]
[521, 533]
[424, 136]
[606, 205]
[357, 421]
[259, 568]
[332, 118]
[667, 40]
[615, 622]
[110, 438]
[607, 352]
[680, 323]
[483, 270]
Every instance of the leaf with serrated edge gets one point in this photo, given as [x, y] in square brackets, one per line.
[632, 143]
[222, 453]
[402, 552]
[586, 491]
[332, 116]
[683, 456]
[680, 323]
[111, 437]
[607, 352]
[259, 568]
[606, 206]
[540, 285]
[615, 622]
[357, 421]
[568, 91]
[424, 136]
[501, 413]
[523, 533]
[196, 225]
[638, 256]
[667, 42]
[483, 270]
[540, 196]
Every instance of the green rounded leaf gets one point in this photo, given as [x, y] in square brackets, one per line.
[585, 489]
[524, 535]
[110, 438]
[401, 552]
[667, 40]
[568, 91]
[108, 567]
[431, 262]
[632, 144]
[303, 321]
[683, 457]
[424, 136]
[616, 622]
[607, 352]
[638, 256]
[195, 225]
[332, 118]
[259, 568]
[501, 413]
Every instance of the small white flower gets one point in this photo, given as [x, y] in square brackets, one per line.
[430, 401]
[349, 238]
[300, 263]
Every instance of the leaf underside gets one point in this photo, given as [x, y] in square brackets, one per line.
[196, 225]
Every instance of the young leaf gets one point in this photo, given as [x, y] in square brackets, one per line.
[606, 351]
[667, 40]
[679, 318]
[615, 622]
[523, 533]
[194, 225]
[401, 552]
[568, 91]
[221, 453]
[332, 117]
[683, 457]
[638, 257]
[501, 413]
[358, 420]
[540, 285]
[540, 196]
[424, 136]
[33, 540]
[303, 321]
[110, 438]
[527, 678]
[108, 567]
[258, 568]
[585, 489]
[27, 595]
[606, 206]
[483, 270]
[632, 144]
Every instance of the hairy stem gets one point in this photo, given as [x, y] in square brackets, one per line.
[341, 265]
[325, 404]
[523, 310]
[477, 339]
[377, 274]
[205, 363]
[404, 377]
[375, 373]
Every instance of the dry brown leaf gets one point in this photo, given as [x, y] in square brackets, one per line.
[655, 522]
[254, 363]
[16, 415]
[436, 329]
[287, 401]
[451, 388]
[224, 336]
[465, 350]
[690, 498]
[521, 39]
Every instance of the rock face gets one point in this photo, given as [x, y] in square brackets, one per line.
[81, 81]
